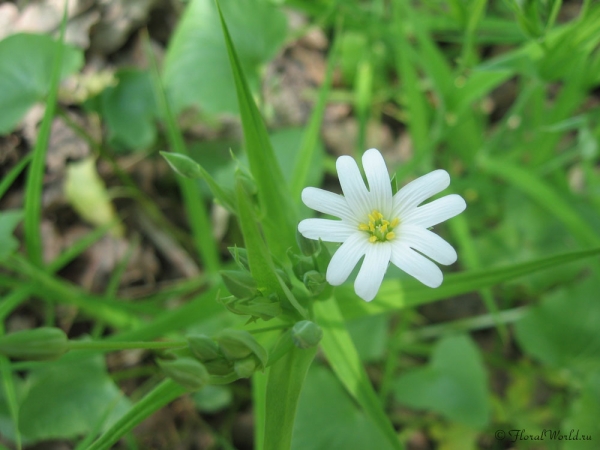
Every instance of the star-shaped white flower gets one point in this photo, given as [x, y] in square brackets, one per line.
[382, 227]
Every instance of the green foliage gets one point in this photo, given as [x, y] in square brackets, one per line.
[8, 222]
[25, 81]
[197, 70]
[453, 384]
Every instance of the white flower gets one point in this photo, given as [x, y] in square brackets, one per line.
[382, 227]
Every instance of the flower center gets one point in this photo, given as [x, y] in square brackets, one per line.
[379, 229]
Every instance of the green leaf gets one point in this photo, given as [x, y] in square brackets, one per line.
[583, 416]
[161, 395]
[453, 384]
[25, 81]
[8, 222]
[395, 295]
[279, 216]
[562, 331]
[130, 109]
[197, 70]
[324, 401]
[68, 398]
[284, 383]
[345, 362]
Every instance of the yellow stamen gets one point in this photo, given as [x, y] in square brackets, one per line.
[380, 229]
[395, 222]
[391, 235]
[372, 239]
[363, 227]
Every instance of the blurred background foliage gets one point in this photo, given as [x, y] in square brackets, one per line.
[501, 93]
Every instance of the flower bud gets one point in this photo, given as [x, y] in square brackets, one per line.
[245, 368]
[219, 366]
[203, 347]
[300, 264]
[308, 247]
[239, 344]
[241, 284]
[306, 334]
[240, 256]
[188, 372]
[37, 344]
[183, 165]
[315, 282]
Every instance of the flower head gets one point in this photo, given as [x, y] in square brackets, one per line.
[382, 227]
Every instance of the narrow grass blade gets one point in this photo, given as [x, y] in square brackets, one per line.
[160, 396]
[345, 362]
[544, 195]
[12, 175]
[33, 189]
[197, 215]
[285, 380]
[279, 216]
[395, 295]
[259, 396]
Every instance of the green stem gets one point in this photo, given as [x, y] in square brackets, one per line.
[113, 345]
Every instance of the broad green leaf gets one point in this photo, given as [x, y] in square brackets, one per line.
[453, 384]
[328, 417]
[26, 80]
[279, 220]
[130, 109]
[583, 416]
[284, 383]
[212, 398]
[197, 70]
[562, 331]
[160, 396]
[345, 362]
[68, 397]
[395, 295]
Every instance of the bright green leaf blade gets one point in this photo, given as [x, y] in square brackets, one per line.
[394, 295]
[197, 70]
[8, 222]
[11, 176]
[453, 384]
[280, 218]
[285, 380]
[129, 109]
[324, 401]
[161, 395]
[562, 331]
[24, 81]
[345, 362]
[67, 398]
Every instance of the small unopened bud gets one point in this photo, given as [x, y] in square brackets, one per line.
[306, 334]
[219, 366]
[239, 344]
[315, 282]
[37, 344]
[188, 372]
[300, 264]
[203, 347]
[183, 165]
[308, 247]
[241, 284]
[245, 368]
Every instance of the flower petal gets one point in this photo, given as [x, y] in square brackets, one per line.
[416, 265]
[419, 190]
[428, 243]
[346, 257]
[435, 212]
[328, 203]
[372, 270]
[378, 177]
[325, 229]
[354, 187]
